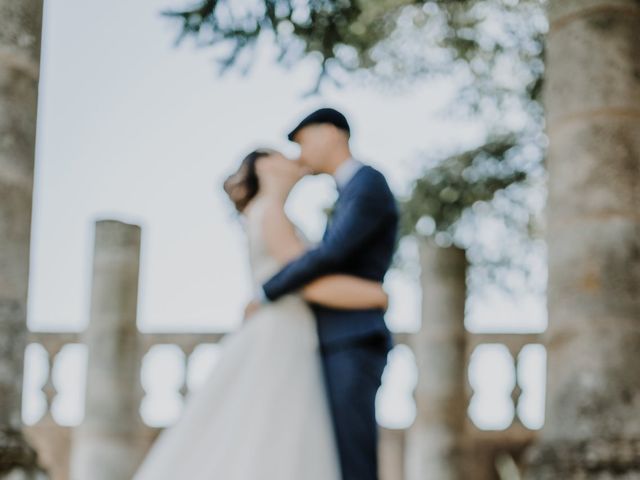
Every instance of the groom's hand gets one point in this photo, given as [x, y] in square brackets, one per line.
[251, 308]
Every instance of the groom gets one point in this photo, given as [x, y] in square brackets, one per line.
[359, 240]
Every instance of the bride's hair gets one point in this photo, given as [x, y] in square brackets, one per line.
[243, 185]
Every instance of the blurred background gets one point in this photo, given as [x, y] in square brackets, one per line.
[125, 263]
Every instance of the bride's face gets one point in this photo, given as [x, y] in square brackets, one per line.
[276, 164]
[276, 171]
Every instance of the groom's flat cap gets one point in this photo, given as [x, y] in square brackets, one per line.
[323, 115]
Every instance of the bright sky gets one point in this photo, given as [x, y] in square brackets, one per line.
[133, 129]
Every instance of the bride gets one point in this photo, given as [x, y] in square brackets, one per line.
[262, 413]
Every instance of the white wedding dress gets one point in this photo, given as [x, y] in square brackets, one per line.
[262, 413]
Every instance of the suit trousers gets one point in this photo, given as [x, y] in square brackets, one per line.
[353, 374]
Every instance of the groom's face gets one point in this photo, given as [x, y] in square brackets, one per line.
[314, 141]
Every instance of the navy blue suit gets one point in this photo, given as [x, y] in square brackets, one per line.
[359, 240]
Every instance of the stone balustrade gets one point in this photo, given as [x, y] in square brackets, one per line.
[484, 444]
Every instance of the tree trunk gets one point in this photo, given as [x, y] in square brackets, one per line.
[20, 26]
[592, 103]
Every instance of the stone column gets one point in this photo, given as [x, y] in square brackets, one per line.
[592, 99]
[391, 454]
[107, 445]
[435, 441]
[20, 27]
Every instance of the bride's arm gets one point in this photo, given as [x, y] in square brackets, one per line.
[346, 292]
[336, 291]
[280, 236]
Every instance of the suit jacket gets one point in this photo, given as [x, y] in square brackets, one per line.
[359, 240]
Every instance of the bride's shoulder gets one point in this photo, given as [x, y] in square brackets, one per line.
[257, 208]
[255, 204]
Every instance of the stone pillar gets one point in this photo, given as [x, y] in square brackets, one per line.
[435, 441]
[391, 454]
[107, 445]
[20, 27]
[592, 99]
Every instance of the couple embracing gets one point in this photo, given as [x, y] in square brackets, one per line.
[292, 396]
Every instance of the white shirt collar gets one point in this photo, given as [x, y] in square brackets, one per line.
[346, 171]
